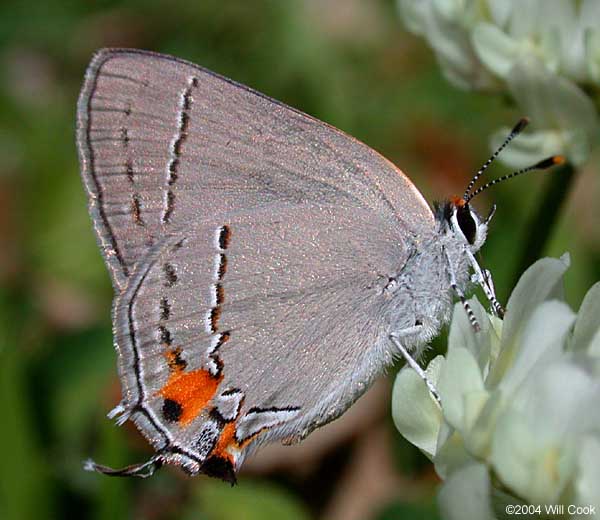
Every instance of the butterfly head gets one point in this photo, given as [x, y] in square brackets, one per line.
[464, 222]
[457, 214]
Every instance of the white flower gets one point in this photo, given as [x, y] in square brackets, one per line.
[447, 25]
[519, 419]
[543, 52]
[592, 52]
[554, 31]
[563, 116]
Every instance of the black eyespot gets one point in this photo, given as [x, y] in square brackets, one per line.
[466, 223]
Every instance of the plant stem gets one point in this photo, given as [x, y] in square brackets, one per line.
[542, 225]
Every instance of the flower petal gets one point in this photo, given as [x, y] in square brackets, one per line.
[478, 439]
[414, 15]
[536, 440]
[524, 19]
[586, 336]
[446, 26]
[451, 453]
[462, 333]
[460, 65]
[496, 49]
[532, 147]
[585, 43]
[532, 467]
[541, 341]
[416, 414]
[555, 103]
[500, 11]
[540, 282]
[456, 10]
[466, 494]
[459, 377]
[592, 54]
[587, 486]
[560, 399]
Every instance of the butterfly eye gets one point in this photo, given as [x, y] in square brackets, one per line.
[467, 224]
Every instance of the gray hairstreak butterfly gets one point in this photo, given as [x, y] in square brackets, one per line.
[267, 267]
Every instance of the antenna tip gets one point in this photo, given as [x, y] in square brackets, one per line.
[523, 122]
[550, 161]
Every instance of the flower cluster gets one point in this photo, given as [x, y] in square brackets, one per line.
[519, 415]
[544, 53]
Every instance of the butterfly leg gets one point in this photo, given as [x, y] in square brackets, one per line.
[483, 278]
[488, 219]
[396, 337]
[460, 294]
[498, 309]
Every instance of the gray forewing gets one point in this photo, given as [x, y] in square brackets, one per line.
[163, 143]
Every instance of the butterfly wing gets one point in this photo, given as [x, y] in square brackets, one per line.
[163, 142]
[249, 327]
[249, 246]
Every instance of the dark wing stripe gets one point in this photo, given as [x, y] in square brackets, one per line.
[183, 118]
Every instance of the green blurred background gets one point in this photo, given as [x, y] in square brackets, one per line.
[347, 62]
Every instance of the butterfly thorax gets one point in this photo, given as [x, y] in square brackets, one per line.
[421, 295]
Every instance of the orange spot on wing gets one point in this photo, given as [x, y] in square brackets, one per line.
[192, 390]
[227, 444]
[226, 440]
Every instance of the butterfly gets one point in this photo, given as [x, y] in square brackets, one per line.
[267, 267]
